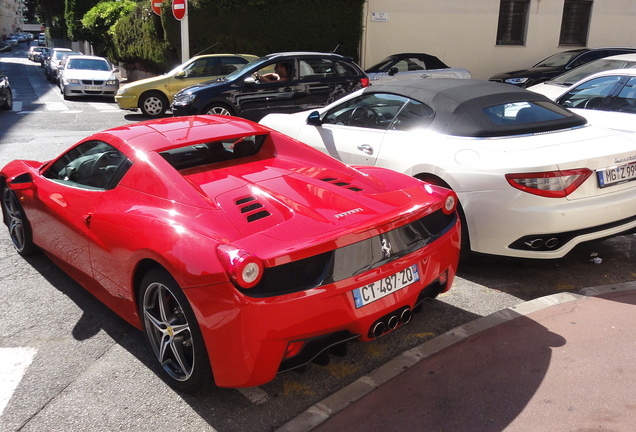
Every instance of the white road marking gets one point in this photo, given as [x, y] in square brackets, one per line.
[255, 394]
[56, 106]
[13, 364]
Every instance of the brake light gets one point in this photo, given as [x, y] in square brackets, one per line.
[244, 269]
[449, 203]
[551, 184]
[364, 82]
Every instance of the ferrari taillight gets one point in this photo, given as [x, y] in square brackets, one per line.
[550, 184]
[449, 203]
[244, 269]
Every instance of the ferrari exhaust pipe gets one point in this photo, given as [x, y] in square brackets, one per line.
[406, 315]
[393, 322]
[378, 329]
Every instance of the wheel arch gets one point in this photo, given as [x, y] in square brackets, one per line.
[438, 181]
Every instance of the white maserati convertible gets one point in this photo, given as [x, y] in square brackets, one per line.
[533, 178]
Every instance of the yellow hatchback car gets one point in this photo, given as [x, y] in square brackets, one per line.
[154, 95]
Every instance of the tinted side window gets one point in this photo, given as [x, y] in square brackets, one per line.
[626, 99]
[373, 111]
[93, 164]
[414, 115]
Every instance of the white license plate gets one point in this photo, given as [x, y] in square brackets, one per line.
[89, 87]
[617, 174]
[386, 286]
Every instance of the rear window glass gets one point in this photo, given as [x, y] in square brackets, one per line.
[213, 152]
[523, 113]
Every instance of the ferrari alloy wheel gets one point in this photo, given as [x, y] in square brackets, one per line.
[153, 104]
[19, 229]
[172, 332]
[217, 109]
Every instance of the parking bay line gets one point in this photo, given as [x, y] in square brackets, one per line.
[13, 364]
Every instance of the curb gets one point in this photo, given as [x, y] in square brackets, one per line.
[321, 411]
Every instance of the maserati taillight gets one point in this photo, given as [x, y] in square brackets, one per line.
[550, 184]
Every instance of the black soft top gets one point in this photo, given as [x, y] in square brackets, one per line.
[460, 104]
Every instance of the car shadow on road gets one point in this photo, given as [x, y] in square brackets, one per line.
[589, 264]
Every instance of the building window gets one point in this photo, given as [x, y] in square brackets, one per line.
[575, 22]
[513, 21]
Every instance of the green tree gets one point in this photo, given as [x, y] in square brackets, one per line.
[98, 24]
[73, 13]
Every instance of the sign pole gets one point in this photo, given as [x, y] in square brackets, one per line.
[185, 37]
[180, 12]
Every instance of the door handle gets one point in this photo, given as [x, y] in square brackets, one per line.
[366, 148]
[87, 219]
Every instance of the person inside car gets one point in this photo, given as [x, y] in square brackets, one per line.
[281, 73]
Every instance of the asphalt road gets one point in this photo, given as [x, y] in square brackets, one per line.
[68, 363]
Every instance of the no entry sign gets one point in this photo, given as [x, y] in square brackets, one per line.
[156, 6]
[179, 8]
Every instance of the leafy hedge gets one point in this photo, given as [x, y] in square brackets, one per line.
[143, 40]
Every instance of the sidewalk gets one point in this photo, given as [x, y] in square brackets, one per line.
[565, 362]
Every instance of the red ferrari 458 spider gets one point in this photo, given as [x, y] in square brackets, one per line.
[240, 252]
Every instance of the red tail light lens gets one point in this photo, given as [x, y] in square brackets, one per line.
[551, 184]
[364, 82]
[449, 204]
[244, 269]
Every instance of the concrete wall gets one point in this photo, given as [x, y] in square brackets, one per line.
[462, 33]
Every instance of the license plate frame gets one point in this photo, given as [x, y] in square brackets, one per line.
[617, 175]
[386, 286]
[92, 87]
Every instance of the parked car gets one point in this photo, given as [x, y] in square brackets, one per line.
[313, 80]
[412, 66]
[557, 86]
[12, 41]
[532, 178]
[557, 64]
[42, 40]
[52, 62]
[6, 96]
[606, 99]
[83, 75]
[35, 53]
[153, 96]
[239, 251]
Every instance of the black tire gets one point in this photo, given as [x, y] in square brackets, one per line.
[153, 104]
[218, 109]
[17, 223]
[8, 103]
[172, 332]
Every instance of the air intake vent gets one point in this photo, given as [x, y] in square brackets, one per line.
[250, 207]
[341, 183]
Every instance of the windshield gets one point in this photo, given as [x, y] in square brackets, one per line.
[558, 60]
[253, 65]
[380, 66]
[588, 69]
[88, 64]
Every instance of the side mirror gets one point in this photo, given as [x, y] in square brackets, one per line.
[393, 71]
[249, 81]
[180, 75]
[314, 119]
[21, 182]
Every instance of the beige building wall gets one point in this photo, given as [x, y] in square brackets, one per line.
[8, 17]
[462, 33]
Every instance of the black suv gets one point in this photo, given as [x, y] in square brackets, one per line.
[557, 64]
[282, 83]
